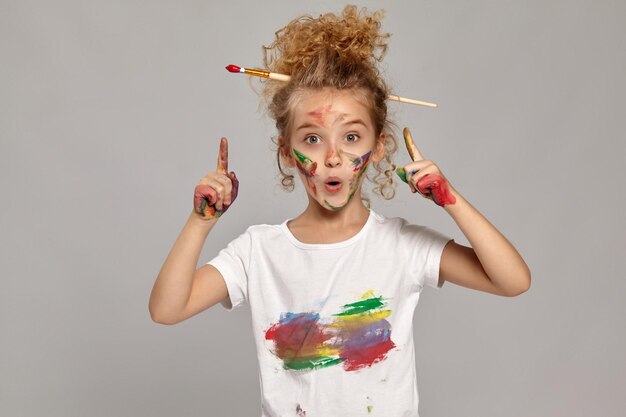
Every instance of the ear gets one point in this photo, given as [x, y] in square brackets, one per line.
[379, 150]
[285, 153]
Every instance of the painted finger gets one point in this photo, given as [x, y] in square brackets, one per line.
[400, 173]
[235, 182]
[416, 155]
[203, 196]
[234, 191]
[225, 188]
[222, 157]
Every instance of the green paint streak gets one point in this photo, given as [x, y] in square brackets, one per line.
[335, 207]
[369, 408]
[362, 306]
[311, 362]
[301, 157]
[401, 174]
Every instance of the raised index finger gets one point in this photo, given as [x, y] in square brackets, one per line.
[410, 145]
[222, 157]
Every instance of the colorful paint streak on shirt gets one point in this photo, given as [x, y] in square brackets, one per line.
[357, 337]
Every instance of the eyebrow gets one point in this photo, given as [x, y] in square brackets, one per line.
[308, 124]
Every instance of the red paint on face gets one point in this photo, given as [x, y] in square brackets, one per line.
[319, 114]
[437, 187]
[307, 169]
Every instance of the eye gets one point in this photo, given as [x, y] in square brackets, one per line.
[312, 139]
[352, 137]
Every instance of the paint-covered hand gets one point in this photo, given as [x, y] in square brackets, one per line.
[216, 191]
[423, 176]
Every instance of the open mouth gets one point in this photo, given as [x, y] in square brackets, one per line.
[333, 185]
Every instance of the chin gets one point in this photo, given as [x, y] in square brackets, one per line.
[330, 207]
[335, 207]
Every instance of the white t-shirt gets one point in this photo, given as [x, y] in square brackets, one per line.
[333, 323]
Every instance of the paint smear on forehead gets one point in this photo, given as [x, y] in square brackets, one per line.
[320, 113]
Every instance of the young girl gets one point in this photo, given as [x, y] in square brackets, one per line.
[332, 291]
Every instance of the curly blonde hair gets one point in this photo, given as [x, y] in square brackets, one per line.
[340, 52]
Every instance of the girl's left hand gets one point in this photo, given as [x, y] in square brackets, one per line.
[423, 176]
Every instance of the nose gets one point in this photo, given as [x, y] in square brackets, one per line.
[333, 159]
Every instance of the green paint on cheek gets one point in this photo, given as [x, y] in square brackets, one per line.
[305, 165]
[301, 157]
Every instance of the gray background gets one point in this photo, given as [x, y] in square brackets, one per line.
[111, 112]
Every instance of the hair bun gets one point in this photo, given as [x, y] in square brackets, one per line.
[355, 35]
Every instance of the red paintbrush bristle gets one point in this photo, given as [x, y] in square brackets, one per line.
[233, 68]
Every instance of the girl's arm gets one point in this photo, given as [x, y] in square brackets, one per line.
[492, 264]
[180, 291]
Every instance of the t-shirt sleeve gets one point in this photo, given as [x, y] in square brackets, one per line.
[424, 246]
[233, 263]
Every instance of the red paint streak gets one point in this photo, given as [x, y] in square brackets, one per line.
[318, 114]
[300, 337]
[307, 169]
[360, 358]
[233, 68]
[437, 187]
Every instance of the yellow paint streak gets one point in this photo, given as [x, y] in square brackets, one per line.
[357, 320]
[368, 294]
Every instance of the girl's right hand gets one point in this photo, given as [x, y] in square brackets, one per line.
[216, 191]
